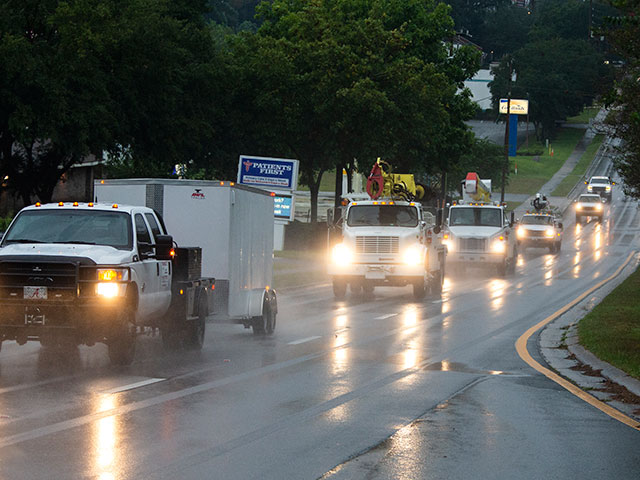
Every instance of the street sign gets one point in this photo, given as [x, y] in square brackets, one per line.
[266, 172]
[283, 206]
[517, 107]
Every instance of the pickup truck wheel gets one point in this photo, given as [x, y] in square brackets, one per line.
[122, 346]
[196, 328]
[339, 288]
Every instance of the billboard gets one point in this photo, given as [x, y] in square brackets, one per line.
[517, 107]
[269, 173]
[283, 207]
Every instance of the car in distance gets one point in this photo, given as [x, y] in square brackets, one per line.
[539, 230]
[589, 205]
[600, 185]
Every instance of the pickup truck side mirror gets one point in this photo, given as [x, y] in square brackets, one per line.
[560, 225]
[164, 245]
[437, 229]
[330, 216]
[512, 219]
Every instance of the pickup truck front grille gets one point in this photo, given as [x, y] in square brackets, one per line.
[377, 244]
[60, 279]
[473, 244]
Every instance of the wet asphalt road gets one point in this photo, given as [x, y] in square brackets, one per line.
[371, 387]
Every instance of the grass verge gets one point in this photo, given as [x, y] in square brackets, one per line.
[297, 268]
[580, 169]
[611, 331]
[535, 171]
[584, 117]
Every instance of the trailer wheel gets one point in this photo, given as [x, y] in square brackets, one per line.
[339, 288]
[196, 328]
[271, 319]
[122, 347]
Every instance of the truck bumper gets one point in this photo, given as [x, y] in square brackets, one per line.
[85, 322]
[477, 258]
[378, 274]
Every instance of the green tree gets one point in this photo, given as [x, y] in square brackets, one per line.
[83, 76]
[343, 80]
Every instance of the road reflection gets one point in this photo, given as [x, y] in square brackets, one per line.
[104, 440]
[497, 289]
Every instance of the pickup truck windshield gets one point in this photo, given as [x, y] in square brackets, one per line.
[71, 226]
[475, 216]
[537, 220]
[382, 216]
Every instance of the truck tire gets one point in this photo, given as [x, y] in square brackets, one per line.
[436, 283]
[196, 328]
[122, 346]
[419, 289]
[339, 288]
[501, 268]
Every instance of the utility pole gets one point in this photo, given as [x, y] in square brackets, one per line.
[505, 164]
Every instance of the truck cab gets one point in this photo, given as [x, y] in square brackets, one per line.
[386, 242]
[479, 233]
[84, 273]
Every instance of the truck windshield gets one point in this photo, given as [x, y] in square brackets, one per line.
[71, 226]
[475, 216]
[537, 220]
[382, 215]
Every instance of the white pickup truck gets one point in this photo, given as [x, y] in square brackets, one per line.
[386, 242]
[83, 273]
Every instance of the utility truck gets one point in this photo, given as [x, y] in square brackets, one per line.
[74, 273]
[477, 230]
[385, 238]
[233, 224]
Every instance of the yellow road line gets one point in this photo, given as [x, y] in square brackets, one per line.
[521, 348]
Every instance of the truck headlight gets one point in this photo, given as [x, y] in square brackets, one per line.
[412, 255]
[608, 188]
[499, 246]
[110, 282]
[113, 274]
[599, 207]
[521, 232]
[341, 254]
[110, 289]
[589, 188]
[578, 206]
[549, 232]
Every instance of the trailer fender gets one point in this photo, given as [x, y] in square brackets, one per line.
[258, 297]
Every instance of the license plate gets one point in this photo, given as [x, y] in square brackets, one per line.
[35, 293]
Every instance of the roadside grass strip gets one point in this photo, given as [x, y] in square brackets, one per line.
[521, 348]
[535, 170]
[611, 331]
[577, 174]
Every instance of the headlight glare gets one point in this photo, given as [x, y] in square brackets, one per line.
[549, 232]
[499, 246]
[341, 254]
[110, 289]
[521, 232]
[412, 255]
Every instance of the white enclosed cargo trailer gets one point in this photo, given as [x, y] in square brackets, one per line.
[234, 226]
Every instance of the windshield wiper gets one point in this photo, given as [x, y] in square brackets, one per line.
[22, 240]
[77, 242]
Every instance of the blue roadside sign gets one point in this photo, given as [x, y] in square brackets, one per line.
[266, 172]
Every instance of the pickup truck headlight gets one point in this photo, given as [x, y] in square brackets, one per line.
[341, 254]
[598, 207]
[110, 282]
[608, 188]
[589, 188]
[499, 245]
[549, 232]
[521, 232]
[412, 255]
[578, 206]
